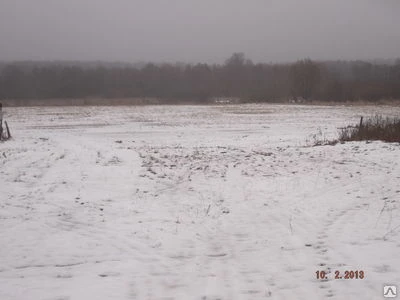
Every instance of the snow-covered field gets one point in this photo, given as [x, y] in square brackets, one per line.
[195, 202]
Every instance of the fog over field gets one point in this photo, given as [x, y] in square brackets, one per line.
[198, 31]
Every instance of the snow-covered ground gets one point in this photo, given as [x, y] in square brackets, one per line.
[195, 202]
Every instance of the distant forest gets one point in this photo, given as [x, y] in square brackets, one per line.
[56, 83]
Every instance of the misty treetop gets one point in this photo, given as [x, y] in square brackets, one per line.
[238, 77]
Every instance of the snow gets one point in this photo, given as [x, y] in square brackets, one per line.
[195, 202]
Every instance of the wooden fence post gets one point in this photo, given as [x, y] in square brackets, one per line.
[8, 130]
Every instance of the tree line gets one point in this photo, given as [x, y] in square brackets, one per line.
[238, 78]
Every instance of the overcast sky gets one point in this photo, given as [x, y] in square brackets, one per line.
[198, 30]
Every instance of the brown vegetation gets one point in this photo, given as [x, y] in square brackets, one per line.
[374, 128]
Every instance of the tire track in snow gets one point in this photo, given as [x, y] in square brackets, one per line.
[77, 209]
[335, 250]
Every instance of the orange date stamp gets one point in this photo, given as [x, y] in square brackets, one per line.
[356, 274]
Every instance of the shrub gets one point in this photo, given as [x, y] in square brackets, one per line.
[373, 128]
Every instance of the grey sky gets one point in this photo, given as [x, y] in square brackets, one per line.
[198, 30]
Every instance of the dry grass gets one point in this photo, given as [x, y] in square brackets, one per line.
[374, 128]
